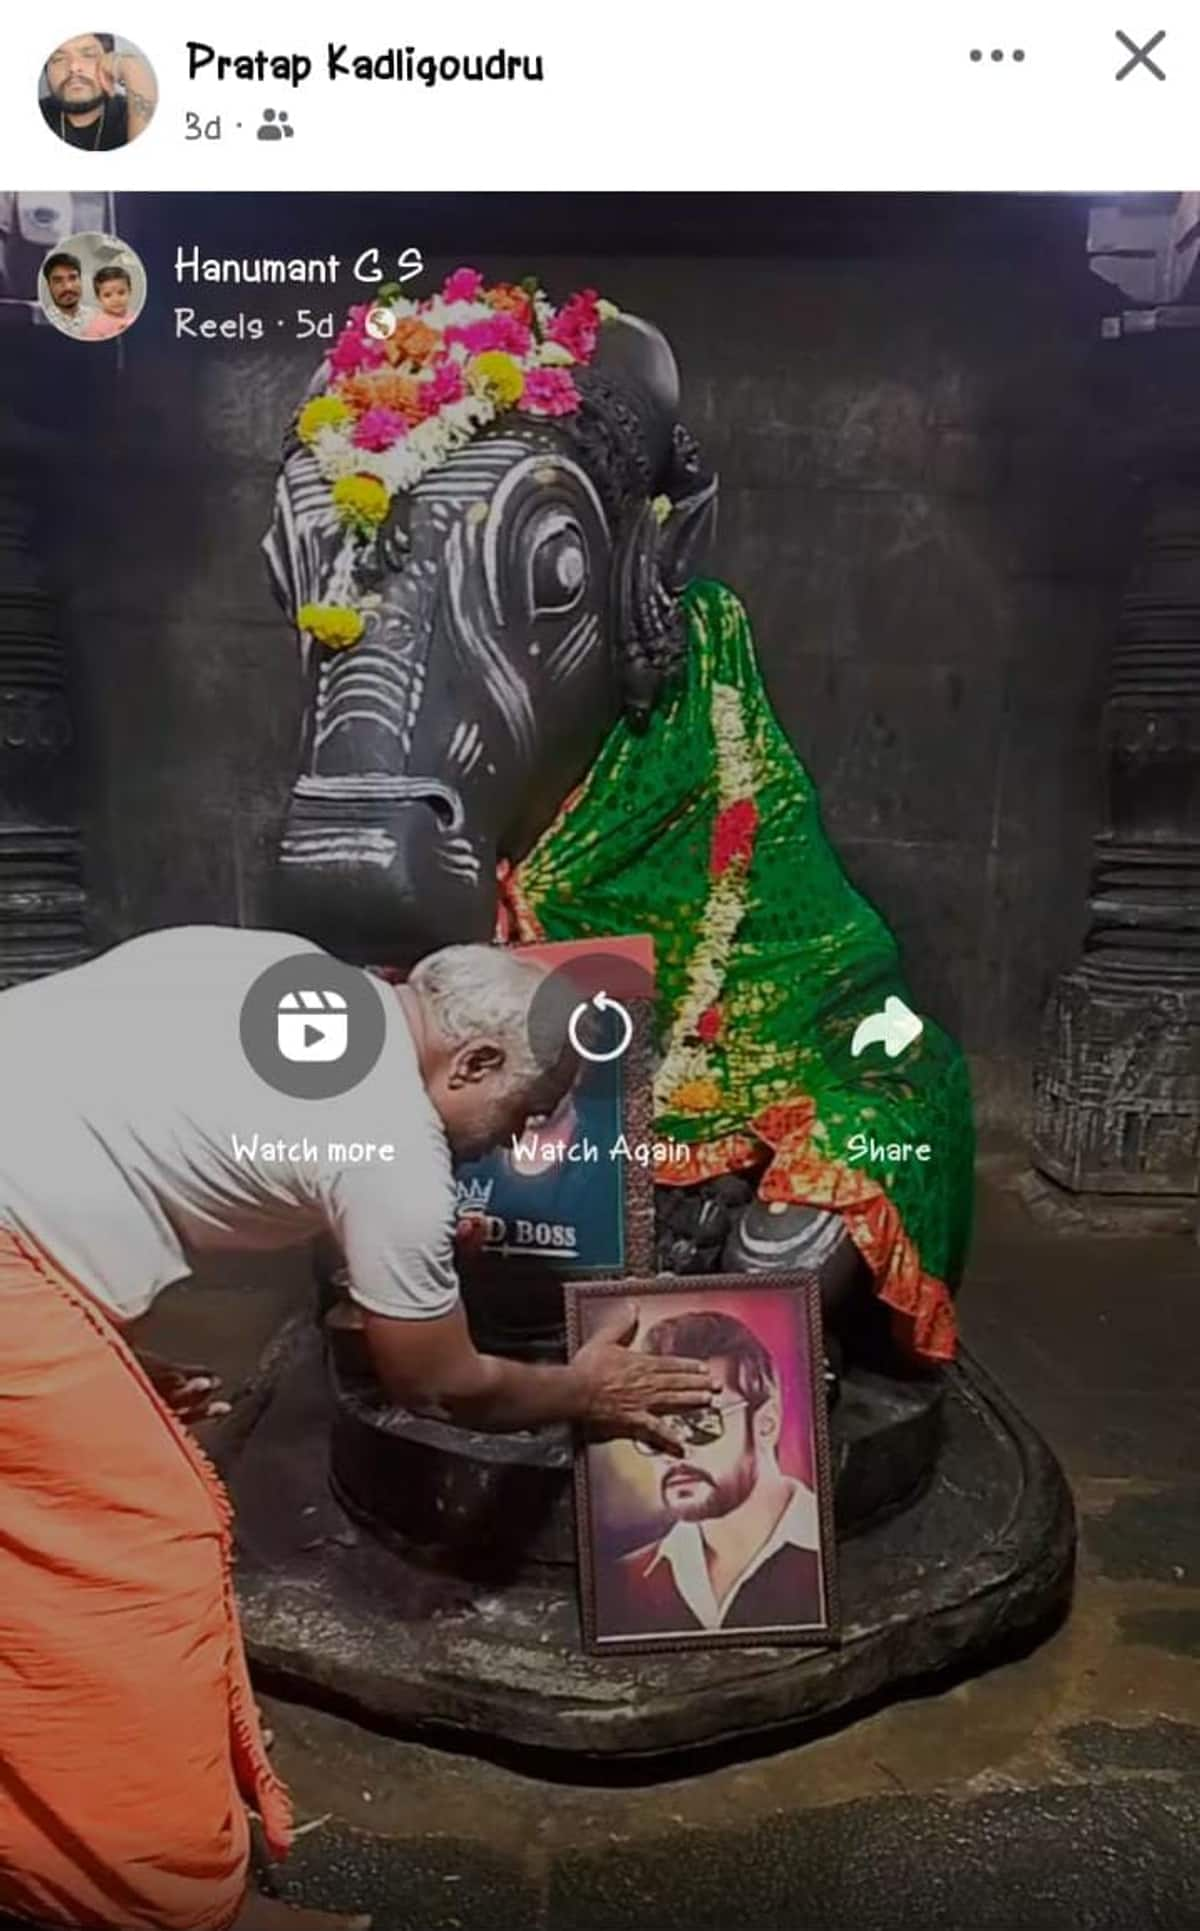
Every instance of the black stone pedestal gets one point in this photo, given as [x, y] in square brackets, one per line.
[501, 1508]
[981, 1557]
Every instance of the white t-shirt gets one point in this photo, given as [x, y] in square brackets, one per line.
[125, 1095]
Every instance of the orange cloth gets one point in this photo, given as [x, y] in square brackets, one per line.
[128, 1733]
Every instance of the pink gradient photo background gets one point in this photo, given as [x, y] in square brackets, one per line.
[626, 1506]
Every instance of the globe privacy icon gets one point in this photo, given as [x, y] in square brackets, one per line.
[312, 1025]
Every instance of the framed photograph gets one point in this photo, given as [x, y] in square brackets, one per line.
[575, 1196]
[730, 1542]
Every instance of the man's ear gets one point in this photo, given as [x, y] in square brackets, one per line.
[476, 1061]
[767, 1420]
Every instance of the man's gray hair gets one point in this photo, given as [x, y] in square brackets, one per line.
[486, 991]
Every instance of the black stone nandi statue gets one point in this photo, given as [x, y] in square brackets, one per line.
[500, 516]
[525, 594]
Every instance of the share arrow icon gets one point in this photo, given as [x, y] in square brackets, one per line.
[894, 1028]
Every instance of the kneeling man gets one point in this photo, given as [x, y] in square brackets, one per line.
[129, 1742]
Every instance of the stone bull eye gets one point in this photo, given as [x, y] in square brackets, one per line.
[557, 570]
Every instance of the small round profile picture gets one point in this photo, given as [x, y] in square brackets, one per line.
[92, 287]
[97, 91]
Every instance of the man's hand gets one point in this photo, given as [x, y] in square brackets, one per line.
[470, 1237]
[136, 76]
[189, 1392]
[621, 1392]
[433, 1366]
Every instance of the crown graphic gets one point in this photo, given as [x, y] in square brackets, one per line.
[473, 1196]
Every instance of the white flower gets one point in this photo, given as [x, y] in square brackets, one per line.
[335, 453]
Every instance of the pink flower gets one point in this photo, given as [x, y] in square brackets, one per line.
[549, 392]
[708, 1026]
[354, 351]
[463, 286]
[379, 428]
[445, 385]
[500, 331]
[733, 836]
[577, 325]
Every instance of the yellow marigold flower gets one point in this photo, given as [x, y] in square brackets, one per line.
[696, 1096]
[323, 412]
[361, 499]
[607, 311]
[497, 375]
[662, 507]
[331, 624]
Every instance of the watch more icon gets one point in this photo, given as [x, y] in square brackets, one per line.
[312, 1026]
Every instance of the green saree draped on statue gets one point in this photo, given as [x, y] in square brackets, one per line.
[704, 830]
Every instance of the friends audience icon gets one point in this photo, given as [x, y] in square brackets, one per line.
[97, 91]
[92, 288]
[275, 126]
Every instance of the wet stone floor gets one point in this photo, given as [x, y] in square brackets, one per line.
[1060, 1788]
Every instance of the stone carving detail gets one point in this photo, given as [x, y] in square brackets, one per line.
[41, 897]
[1117, 1087]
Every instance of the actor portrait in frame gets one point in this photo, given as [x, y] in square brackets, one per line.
[730, 1540]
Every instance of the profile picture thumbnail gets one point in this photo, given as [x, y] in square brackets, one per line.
[93, 287]
[97, 91]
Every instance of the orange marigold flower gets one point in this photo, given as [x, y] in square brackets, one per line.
[411, 341]
[384, 389]
[696, 1096]
[510, 300]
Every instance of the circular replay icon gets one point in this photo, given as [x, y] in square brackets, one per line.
[586, 1006]
[312, 1027]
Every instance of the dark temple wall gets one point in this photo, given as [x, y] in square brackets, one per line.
[921, 505]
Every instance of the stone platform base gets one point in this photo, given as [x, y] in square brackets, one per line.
[982, 1558]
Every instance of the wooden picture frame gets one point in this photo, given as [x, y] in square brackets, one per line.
[650, 1576]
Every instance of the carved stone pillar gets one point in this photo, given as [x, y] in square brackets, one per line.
[41, 896]
[1117, 1084]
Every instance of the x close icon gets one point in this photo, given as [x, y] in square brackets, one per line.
[1141, 55]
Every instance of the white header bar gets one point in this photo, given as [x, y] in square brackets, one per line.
[617, 96]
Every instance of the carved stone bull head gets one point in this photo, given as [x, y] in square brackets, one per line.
[527, 590]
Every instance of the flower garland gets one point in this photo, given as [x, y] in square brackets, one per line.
[398, 401]
[685, 1082]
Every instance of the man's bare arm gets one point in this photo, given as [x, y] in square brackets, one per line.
[435, 1366]
[141, 93]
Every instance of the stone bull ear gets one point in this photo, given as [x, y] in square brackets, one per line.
[654, 559]
[655, 556]
[638, 358]
[691, 524]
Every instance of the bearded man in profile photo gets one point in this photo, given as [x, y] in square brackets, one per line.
[96, 98]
